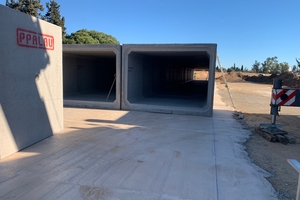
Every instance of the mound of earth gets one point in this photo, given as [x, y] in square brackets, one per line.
[289, 79]
[230, 76]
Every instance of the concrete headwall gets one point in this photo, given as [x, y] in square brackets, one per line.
[31, 106]
[92, 76]
[159, 78]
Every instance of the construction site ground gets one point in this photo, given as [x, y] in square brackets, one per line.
[118, 154]
[251, 95]
[131, 155]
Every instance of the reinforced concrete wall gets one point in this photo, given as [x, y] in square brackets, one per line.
[92, 76]
[160, 78]
[31, 106]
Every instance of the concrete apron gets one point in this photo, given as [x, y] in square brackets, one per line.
[111, 154]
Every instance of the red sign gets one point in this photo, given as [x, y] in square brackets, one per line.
[31, 39]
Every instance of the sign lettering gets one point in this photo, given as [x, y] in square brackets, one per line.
[31, 39]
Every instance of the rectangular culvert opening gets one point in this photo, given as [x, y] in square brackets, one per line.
[168, 81]
[90, 78]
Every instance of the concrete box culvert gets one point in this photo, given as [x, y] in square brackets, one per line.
[160, 78]
[92, 76]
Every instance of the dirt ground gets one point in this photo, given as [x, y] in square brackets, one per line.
[253, 100]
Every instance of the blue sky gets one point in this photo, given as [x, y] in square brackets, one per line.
[244, 30]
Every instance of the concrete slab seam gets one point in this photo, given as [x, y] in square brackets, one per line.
[215, 159]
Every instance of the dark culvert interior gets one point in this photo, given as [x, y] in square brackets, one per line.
[168, 79]
[89, 76]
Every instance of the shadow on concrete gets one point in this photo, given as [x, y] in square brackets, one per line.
[103, 152]
[77, 131]
[22, 66]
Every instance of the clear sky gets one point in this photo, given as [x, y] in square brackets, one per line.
[244, 30]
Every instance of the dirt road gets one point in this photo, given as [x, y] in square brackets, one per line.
[253, 101]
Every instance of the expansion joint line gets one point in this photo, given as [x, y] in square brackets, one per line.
[215, 159]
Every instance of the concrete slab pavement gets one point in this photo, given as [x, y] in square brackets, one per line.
[111, 154]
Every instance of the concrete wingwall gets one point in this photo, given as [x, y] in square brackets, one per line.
[31, 106]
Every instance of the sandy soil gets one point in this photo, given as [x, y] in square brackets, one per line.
[253, 100]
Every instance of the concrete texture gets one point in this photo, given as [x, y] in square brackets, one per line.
[90, 72]
[111, 155]
[159, 78]
[31, 80]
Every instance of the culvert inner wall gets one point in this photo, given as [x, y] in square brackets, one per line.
[85, 75]
[91, 76]
[160, 78]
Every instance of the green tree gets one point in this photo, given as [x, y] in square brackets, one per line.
[242, 68]
[298, 64]
[234, 68]
[30, 7]
[271, 65]
[53, 16]
[264, 68]
[294, 69]
[230, 69]
[284, 67]
[84, 36]
[256, 66]
[13, 5]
